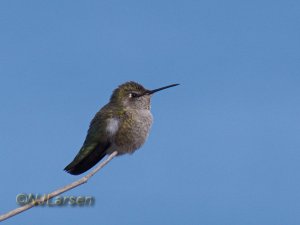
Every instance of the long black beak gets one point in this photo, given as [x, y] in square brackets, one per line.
[159, 89]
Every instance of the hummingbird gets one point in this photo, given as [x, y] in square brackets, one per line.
[122, 125]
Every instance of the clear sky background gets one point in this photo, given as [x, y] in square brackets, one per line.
[225, 145]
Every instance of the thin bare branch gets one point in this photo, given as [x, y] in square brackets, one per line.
[58, 191]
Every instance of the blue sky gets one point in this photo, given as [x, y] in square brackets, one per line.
[224, 147]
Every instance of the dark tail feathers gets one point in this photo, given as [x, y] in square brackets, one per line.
[78, 167]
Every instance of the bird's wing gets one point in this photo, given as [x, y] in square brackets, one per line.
[95, 144]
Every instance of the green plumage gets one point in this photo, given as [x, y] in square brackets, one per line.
[96, 143]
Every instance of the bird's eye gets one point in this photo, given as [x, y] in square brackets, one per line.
[133, 95]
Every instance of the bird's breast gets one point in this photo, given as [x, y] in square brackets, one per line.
[133, 130]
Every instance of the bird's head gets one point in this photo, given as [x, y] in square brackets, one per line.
[134, 95]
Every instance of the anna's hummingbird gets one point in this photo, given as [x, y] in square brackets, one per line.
[122, 125]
